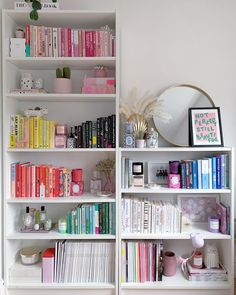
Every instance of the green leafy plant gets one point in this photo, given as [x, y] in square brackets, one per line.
[63, 73]
[36, 5]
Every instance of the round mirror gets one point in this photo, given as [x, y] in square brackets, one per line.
[176, 101]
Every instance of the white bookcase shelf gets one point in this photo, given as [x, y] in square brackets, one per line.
[71, 109]
[174, 191]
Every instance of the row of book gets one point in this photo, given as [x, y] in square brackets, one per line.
[84, 262]
[204, 274]
[31, 132]
[40, 181]
[44, 41]
[141, 261]
[207, 173]
[92, 219]
[37, 132]
[97, 134]
[143, 216]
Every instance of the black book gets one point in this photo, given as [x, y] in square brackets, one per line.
[87, 134]
[98, 133]
[113, 131]
[79, 137]
[83, 135]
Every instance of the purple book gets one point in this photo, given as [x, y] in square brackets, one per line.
[221, 213]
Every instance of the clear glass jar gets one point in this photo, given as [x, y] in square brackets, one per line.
[152, 139]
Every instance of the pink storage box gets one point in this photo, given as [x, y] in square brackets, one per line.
[90, 81]
[48, 265]
[100, 89]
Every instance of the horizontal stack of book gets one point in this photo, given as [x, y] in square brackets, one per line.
[44, 41]
[92, 219]
[143, 216]
[31, 132]
[97, 134]
[39, 181]
[205, 274]
[208, 173]
[84, 262]
[140, 261]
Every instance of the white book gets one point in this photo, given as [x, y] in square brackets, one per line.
[55, 42]
[17, 47]
[199, 173]
[122, 172]
[210, 172]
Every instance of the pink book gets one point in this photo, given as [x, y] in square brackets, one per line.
[102, 43]
[33, 180]
[27, 35]
[94, 42]
[98, 43]
[69, 42]
[87, 43]
[98, 81]
[72, 43]
[76, 43]
[63, 42]
[59, 41]
[80, 43]
[221, 213]
[91, 43]
[46, 41]
[83, 42]
[66, 42]
[50, 54]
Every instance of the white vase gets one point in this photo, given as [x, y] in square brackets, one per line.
[140, 143]
[62, 85]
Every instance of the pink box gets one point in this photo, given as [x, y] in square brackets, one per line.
[60, 141]
[173, 181]
[48, 265]
[90, 81]
[98, 89]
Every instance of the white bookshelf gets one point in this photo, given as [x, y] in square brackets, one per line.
[180, 243]
[64, 108]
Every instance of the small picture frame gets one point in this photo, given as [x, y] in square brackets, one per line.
[205, 127]
[158, 173]
[197, 208]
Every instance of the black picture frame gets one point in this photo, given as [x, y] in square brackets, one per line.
[205, 128]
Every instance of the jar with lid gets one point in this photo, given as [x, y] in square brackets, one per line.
[152, 139]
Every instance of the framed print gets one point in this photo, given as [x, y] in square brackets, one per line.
[197, 208]
[158, 173]
[205, 127]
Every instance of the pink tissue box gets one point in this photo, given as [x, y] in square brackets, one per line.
[48, 265]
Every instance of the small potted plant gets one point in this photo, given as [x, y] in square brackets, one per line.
[63, 83]
[36, 5]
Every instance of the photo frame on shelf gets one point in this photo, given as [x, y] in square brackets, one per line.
[197, 208]
[205, 127]
[158, 173]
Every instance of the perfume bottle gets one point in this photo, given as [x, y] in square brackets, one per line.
[71, 140]
[96, 183]
[36, 220]
[28, 220]
[43, 217]
[129, 137]
[152, 139]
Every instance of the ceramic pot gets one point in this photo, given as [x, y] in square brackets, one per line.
[140, 143]
[170, 263]
[62, 85]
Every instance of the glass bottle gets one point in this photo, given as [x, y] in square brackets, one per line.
[96, 183]
[28, 220]
[152, 139]
[129, 136]
[71, 140]
[43, 217]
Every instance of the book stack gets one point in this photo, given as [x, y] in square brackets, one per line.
[140, 216]
[97, 134]
[92, 219]
[208, 173]
[205, 274]
[97, 85]
[140, 261]
[40, 181]
[84, 262]
[31, 132]
[44, 41]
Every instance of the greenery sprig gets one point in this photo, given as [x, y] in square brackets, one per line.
[36, 5]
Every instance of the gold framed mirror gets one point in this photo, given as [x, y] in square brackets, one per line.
[176, 102]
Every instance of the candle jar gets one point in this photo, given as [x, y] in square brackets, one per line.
[213, 224]
[197, 260]
[152, 139]
[170, 263]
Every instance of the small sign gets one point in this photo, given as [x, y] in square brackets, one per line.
[28, 6]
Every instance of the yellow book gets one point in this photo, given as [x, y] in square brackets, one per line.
[36, 132]
[52, 125]
[123, 262]
[26, 132]
[17, 130]
[47, 134]
[44, 132]
[41, 132]
[31, 132]
[21, 131]
[12, 143]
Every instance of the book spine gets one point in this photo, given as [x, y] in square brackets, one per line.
[59, 41]
[218, 170]
[210, 172]
[55, 42]
[222, 171]
[27, 40]
[205, 174]
[195, 174]
[12, 132]
[69, 44]
[214, 173]
[183, 175]
[36, 132]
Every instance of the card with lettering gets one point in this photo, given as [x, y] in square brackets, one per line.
[205, 127]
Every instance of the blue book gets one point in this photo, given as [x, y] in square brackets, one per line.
[205, 174]
[87, 219]
[92, 210]
[214, 173]
[226, 171]
[195, 174]
[83, 220]
[183, 175]
[218, 170]
[222, 171]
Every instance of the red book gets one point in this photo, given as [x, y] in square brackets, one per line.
[23, 179]
[33, 181]
[69, 42]
[50, 176]
[94, 42]
[56, 182]
[59, 41]
[87, 43]
[42, 181]
[83, 35]
[91, 43]
[37, 182]
[28, 182]
[47, 181]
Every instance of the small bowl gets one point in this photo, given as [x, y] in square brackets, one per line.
[30, 255]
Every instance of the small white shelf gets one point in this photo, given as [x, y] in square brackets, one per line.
[86, 286]
[200, 228]
[61, 150]
[85, 198]
[164, 190]
[176, 282]
[53, 235]
[51, 63]
[71, 97]
[177, 149]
